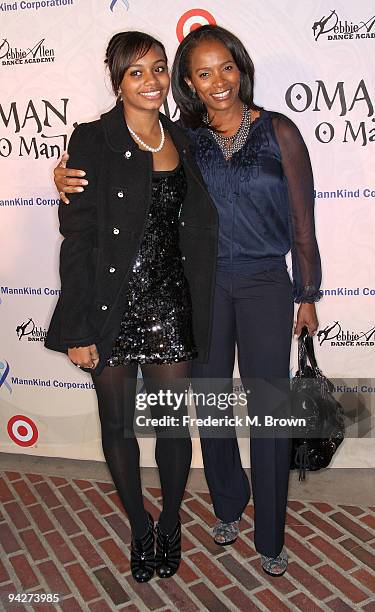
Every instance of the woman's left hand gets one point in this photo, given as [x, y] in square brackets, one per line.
[84, 356]
[306, 315]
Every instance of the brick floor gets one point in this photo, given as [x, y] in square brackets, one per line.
[70, 537]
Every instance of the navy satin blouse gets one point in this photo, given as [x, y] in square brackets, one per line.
[264, 196]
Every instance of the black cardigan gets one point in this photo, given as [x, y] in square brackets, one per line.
[103, 227]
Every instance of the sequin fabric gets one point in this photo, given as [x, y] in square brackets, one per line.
[156, 326]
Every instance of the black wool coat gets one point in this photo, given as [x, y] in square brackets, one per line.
[103, 227]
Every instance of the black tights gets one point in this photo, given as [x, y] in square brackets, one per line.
[115, 388]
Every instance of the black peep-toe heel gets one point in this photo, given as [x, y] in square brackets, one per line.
[142, 558]
[168, 551]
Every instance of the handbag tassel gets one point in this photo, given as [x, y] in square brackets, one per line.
[302, 460]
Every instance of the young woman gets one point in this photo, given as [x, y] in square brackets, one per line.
[257, 170]
[137, 270]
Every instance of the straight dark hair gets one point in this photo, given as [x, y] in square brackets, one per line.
[192, 110]
[123, 49]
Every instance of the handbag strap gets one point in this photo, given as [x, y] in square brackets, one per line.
[306, 350]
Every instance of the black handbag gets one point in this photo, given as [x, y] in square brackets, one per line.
[312, 399]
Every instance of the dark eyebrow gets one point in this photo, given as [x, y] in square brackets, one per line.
[229, 61]
[142, 65]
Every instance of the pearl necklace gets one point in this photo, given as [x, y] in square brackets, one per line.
[146, 146]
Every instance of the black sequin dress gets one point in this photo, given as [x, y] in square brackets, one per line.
[156, 325]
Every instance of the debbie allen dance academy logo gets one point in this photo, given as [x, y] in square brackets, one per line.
[27, 329]
[335, 335]
[13, 55]
[331, 27]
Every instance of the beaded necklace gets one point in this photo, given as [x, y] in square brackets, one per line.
[232, 144]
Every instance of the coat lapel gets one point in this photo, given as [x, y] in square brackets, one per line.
[116, 132]
[118, 136]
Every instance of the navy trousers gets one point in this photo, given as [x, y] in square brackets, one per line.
[254, 312]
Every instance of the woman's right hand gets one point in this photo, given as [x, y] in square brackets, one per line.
[84, 356]
[68, 180]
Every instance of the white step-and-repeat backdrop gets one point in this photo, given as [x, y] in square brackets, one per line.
[314, 62]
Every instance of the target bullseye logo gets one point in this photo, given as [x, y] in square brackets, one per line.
[192, 20]
[22, 430]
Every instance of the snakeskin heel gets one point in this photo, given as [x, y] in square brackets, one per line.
[275, 566]
[226, 533]
[168, 551]
[142, 557]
